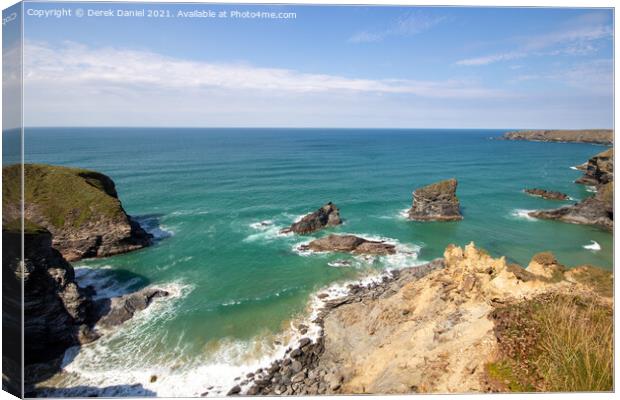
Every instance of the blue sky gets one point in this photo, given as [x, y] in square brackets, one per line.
[416, 67]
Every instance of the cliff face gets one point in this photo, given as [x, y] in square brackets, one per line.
[56, 310]
[436, 202]
[598, 136]
[80, 208]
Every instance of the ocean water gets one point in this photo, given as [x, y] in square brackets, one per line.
[217, 198]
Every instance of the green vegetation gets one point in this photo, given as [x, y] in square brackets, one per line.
[554, 343]
[59, 196]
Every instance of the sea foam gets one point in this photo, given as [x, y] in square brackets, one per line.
[593, 246]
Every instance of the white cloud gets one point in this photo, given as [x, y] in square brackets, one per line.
[408, 25]
[578, 37]
[111, 69]
[484, 60]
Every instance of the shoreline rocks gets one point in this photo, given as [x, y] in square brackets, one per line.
[426, 329]
[326, 216]
[547, 194]
[349, 244]
[58, 313]
[80, 208]
[599, 169]
[596, 210]
[300, 371]
[436, 202]
[595, 136]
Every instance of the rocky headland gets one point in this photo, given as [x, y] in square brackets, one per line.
[69, 214]
[436, 202]
[80, 208]
[595, 210]
[547, 194]
[596, 136]
[326, 216]
[434, 329]
[349, 244]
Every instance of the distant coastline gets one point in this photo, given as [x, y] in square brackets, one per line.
[594, 136]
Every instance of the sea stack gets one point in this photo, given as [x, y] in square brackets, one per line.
[328, 215]
[436, 202]
[80, 208]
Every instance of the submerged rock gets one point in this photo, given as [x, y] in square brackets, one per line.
[547, 194]
[436, 202]
[349, 244]
[80, 208]
[328, 215]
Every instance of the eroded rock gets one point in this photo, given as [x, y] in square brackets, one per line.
[349, 244]
[326, 216]
[436, 202]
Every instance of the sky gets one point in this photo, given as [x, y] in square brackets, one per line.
[328, 66]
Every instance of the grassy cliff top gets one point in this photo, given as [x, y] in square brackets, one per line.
[61, 196]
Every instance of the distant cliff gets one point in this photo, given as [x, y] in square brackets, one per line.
[80, 208]
[597, 136]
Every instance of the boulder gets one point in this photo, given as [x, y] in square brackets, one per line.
[328, 215]
[547, 194]
[436, 202]
[80, 208]
[349, 244]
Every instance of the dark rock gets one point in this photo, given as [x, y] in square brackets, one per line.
[597, 210]
[436, 202]
[349, 244]
[599, 169]
[123, 308]
[328, 215]
[235, 390]
[547, 194]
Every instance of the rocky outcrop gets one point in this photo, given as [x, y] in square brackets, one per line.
[58, 313]
[424, 329]
[599, 169]
[436, 202]
[121, 309]
[547, 194]
[598, 136]
[326, 216]
[79, 207]
[349, 244]
[597, 210]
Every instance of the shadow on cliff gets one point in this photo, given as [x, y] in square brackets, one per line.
[136, 390]
[56, 328]
[151, 224]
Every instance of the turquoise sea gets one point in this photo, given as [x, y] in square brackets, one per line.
[217, 198]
